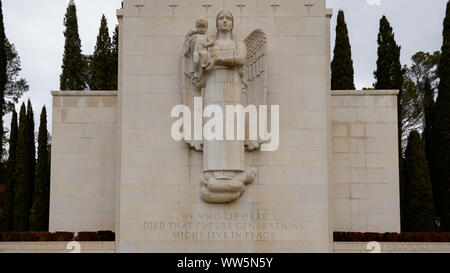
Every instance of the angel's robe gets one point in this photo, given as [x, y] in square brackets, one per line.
[224, 87]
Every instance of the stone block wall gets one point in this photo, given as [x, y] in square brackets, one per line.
[365, 174]
[83, 166]
[160, 178]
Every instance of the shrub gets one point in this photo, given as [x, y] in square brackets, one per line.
[86, 236]
[62, 236]
[391, 237]
[102, 236]
[106, 236]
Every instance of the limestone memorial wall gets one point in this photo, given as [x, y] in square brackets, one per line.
[83, 156]
[365, 161]
[116, 165]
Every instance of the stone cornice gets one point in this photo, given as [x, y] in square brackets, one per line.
[364, 93]
[84, 93]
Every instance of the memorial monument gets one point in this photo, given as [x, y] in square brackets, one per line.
[148, 162]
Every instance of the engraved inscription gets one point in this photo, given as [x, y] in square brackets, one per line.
[225, 226]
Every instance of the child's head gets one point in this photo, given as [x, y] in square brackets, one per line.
[202, 25]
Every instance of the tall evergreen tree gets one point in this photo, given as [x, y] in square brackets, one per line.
[39, 215]
[113, 85]
[72, 67]
[6, 217]
[441, 128]
[389, 73]
[342, 74]
[22, 193]
[428, 109]
[32, 151]
[418, 207]
[102, 72]
[3, 80]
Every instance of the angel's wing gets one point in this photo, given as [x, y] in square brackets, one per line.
[256, 74]
[188, 90]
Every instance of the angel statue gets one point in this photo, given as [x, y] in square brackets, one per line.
[231, 73]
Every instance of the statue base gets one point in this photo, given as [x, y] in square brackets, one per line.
[225, 186]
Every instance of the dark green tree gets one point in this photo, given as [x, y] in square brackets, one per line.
[441, 128]
[429, 108]
[101, 61]
[113, 85]
[31, 150]
[429, 105]
[72, 67]
[22, 193]
[15, 87]
[417, 105]
[6, 217]
[39, 215]
[418, 207]
[342, 73]
[389, 73]
[3, 80]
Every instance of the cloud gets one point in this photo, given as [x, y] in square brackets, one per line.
[374, 2]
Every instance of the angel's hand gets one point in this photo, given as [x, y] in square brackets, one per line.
[209, 64]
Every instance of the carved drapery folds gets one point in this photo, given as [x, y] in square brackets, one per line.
[224, 71]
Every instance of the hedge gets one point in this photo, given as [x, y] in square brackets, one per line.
[391, 237]
[104, 236]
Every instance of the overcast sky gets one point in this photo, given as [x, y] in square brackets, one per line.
[36, 29]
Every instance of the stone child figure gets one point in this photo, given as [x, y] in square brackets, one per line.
[197, 44]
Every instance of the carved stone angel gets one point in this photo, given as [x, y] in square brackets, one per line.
[233, 73]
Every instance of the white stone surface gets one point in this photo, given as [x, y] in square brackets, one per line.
[108, 247]
[83, 166]
[366, 187]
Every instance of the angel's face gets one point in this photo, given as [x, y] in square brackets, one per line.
[225, 22]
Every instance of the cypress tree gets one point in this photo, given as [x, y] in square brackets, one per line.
[441, 129]
[32, 152]
[101, 61]
[342, 74]
[418, 208]
[113, 85]
[3, 81]
[39, 215]
[6, 219]
[428, 112]
[22, 175]
[72, 67]
[389, 73]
